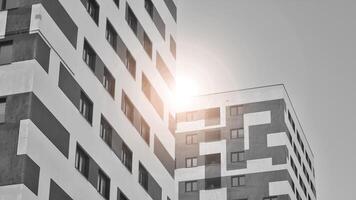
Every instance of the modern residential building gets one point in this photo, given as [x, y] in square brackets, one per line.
[85, 90]
[240, 145]
[86, 113]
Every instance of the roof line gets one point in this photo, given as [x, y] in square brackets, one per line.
[239, 90]
[290, 100]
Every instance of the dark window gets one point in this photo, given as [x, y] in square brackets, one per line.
[291, 120]
[127, 108]
[111, 34]
[143, 176]
[130, 63]
[173, 47]
[117, 3]
[172, 124]
[149, 7]
[86, 107]
[92, 8]
[293, 166]
[82, 162]
[109, 82]
[5, 52]
[126, 156]
[191, 162]
[152, 96]
[122, 196]
[2, 4]
[270, 198]
[103, 185]
[237, 133]
[191, 186]
[164, 71]
[237, 181]
[212, 159]
[147, 45]
[298, 196]
[89, 55]
[192, 139]
[2, 109]
[212, 183]
[237, 156]
[145, 131]
[131, 19]
[105, 131]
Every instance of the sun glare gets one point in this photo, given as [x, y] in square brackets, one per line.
[186, 88]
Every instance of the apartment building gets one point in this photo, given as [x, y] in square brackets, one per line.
[85, 89]
[86, 113]
[243, 145]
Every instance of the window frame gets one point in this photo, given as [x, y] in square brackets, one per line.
[238, 156]
[82, 161]
[3, 103]
[103, 184]
[191, 161]
[241, 180]
[191, 187]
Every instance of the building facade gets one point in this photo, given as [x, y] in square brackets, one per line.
[85, 89]
[86, 112]
[243, 145]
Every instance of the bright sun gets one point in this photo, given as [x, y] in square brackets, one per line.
[186, 88]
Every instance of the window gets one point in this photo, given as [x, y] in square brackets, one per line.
[173, 47]
[143, 177]
[105, 131]
[212, 183]
[86, 107]
[89, 55]
[191, 186]
[237, 156]
[126, 156]
[191, 162]
[293, 166]
[145, 131]
[122, 196]
[271, 198]
[117, 3]
[109, 82]
[147, 45]
[172, 124]
[82, 162]
[149, 7]
[2, 4]
[5, 52]
[131, 19]
[212, 159]
[298, 196]
[92, 8]
[103, 185]
[237, 181]
[152, 95]
[127, 108]
[192, 139]
[130, 63]
[110, 34]
[237, 133]
[2, 109]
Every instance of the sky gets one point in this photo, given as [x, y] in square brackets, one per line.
[308, 45]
